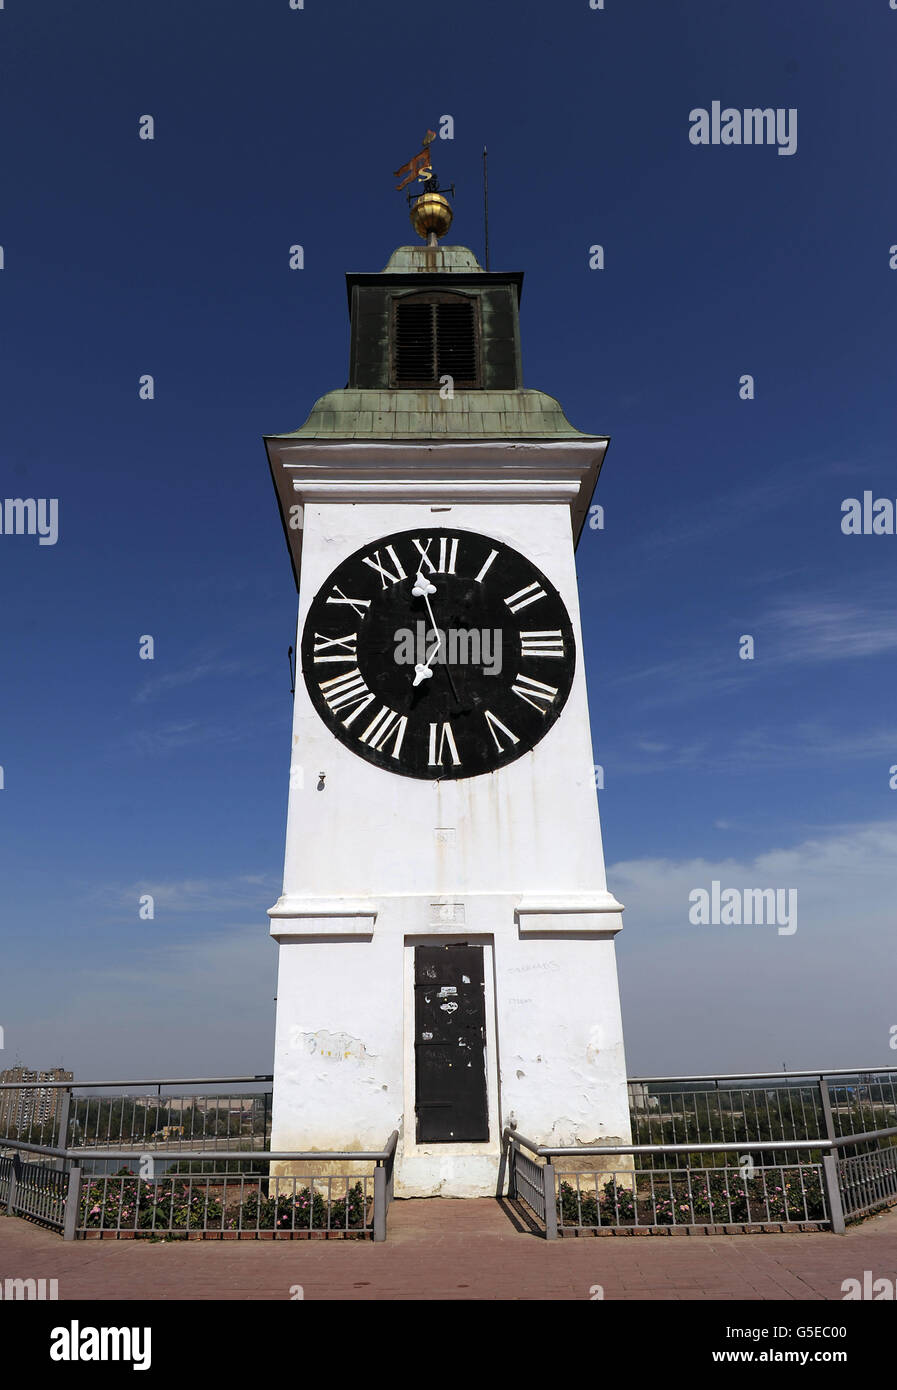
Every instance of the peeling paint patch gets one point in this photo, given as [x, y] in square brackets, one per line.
[331, 1047]
[595, 1044]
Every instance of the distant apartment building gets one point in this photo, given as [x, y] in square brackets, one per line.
[33, 1107]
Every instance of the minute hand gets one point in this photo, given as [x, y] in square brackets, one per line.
[423, 589]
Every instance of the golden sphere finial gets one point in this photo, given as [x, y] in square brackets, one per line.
[431, 213]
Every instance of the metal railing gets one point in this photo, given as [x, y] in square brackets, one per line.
[826, 1144]
[214, 1203]
[868, 1181]
[203, 1161]
[532, 1183]
[145, 1115]
[820, 1187]
[33, 1190]
[749, 1108]
[693, 1198]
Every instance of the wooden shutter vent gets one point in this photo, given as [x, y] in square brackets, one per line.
[433, 338]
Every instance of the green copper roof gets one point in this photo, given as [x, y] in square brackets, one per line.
[494, 411]
[425, 414]
[431, 259]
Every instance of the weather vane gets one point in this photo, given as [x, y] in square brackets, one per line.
[431, 211]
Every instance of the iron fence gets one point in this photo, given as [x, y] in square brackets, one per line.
[585, 1188]
[868, 1181]
[813, 1149]
[527, 1181]
[170, 1121]
[748, 1109]
[822, 1186]
[691, 1198]
[225, 1205]
[33, 1189]
[143, 1115]
[203, 1161]
[211, 1202]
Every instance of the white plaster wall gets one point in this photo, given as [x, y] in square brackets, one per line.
[526, 834]
[338, 1045]
[562, 1064]
[345, 1034]
[532, 825]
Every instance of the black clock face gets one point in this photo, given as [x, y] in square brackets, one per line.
[438, 654]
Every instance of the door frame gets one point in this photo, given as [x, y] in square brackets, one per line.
[489, 1146]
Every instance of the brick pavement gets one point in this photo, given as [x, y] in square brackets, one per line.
[444, 1249]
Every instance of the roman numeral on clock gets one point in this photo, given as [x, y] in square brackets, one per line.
[327, 644]
[342, 692]
[446, 738]
[448, 554]
[525, 596]
[547, 643]
[358, 605]
[385, 725]
[496, 724]
[478, 579]
[535, 693]
[386, 576]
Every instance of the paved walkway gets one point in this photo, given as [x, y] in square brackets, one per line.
[441, 1249]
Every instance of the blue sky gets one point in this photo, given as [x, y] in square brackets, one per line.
[722, 516]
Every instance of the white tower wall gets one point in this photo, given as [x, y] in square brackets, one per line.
[377, 863]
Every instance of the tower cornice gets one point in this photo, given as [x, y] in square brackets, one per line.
[449, 472]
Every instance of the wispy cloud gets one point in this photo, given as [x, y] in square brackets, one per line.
[183, 733]
[711, 998]
[797, 630]
[814, 630]
[726, 510]
[695, 998]
[158, 685]
[785, 745]
[239, 894]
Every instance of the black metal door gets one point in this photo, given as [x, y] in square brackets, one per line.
[449, 1045]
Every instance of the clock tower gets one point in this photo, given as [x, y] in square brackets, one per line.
[446, 934]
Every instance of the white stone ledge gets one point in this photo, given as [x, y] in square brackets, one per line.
[424, 490]
[598, 914]
[322, 917]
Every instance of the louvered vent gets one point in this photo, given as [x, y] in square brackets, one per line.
[434, 338]
[414, 344]
[456, 344]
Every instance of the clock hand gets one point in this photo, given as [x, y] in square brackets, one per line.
[423, 589]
